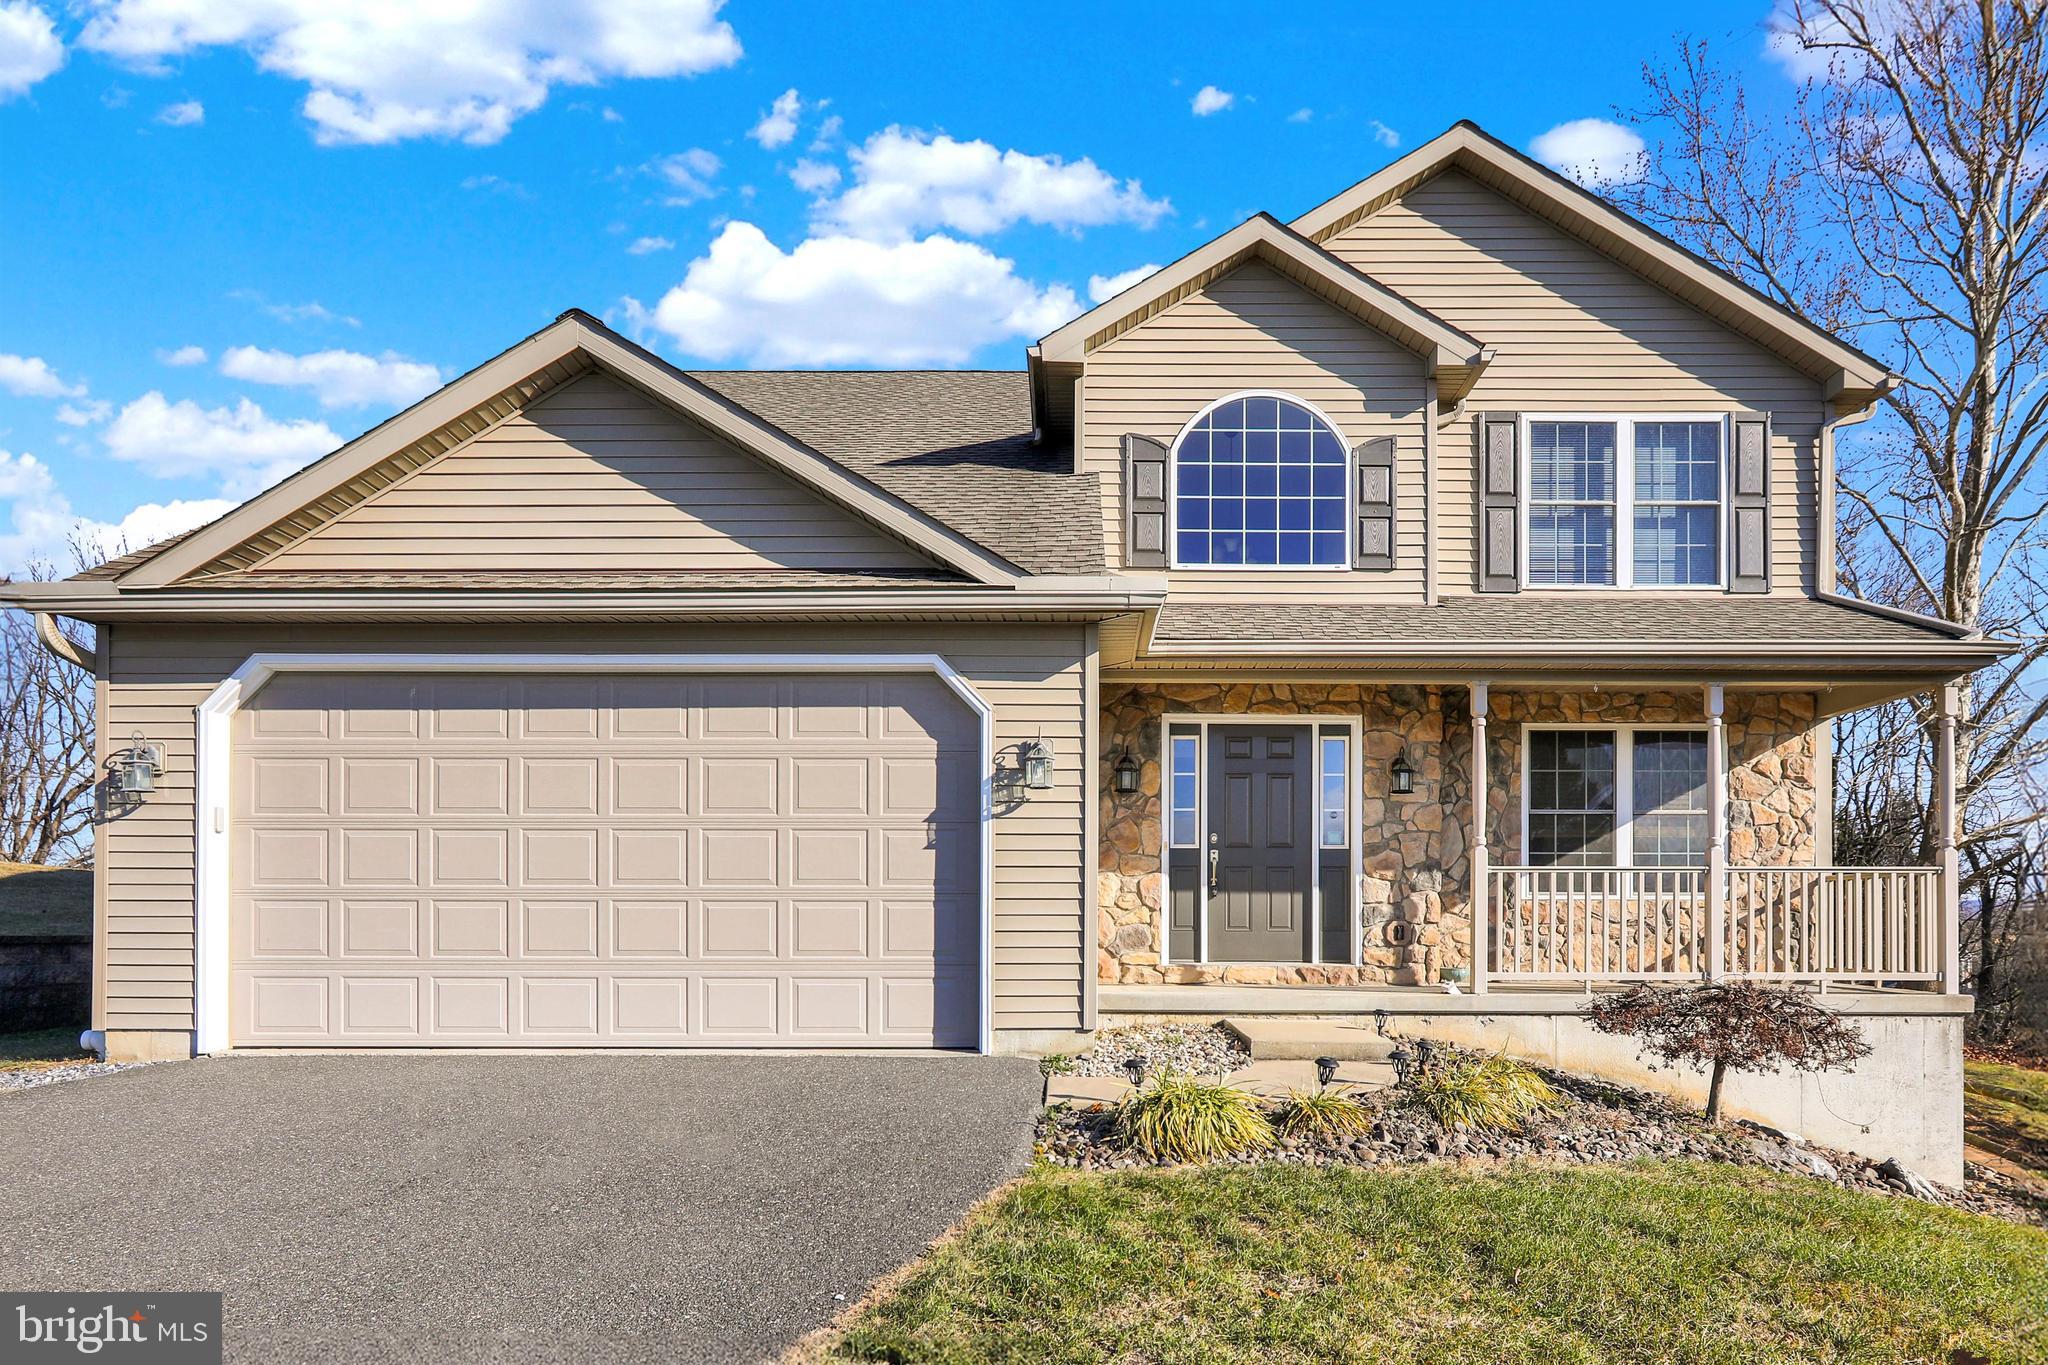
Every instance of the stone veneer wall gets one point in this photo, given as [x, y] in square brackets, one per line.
[1415, 911]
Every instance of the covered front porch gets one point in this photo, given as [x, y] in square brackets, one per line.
[1515, 837]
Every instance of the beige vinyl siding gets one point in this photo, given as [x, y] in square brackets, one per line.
[1578, 332]
[1032, 676]
[1254, 329]
[597, 476]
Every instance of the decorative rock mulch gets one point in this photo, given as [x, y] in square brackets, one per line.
[72, 1071]
[1597, 1122]
[1192, 1049]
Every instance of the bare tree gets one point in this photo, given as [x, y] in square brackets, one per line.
[1899, 195]
[48, 773]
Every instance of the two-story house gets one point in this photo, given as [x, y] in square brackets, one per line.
[1424, 605]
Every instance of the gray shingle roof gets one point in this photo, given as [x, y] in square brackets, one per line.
[767, 580]
[1645, 619]
[955, 444]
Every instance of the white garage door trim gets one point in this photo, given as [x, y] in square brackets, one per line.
[214, 745]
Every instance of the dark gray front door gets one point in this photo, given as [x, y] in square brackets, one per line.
[1260, 857]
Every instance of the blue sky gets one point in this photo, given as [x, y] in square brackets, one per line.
[231, 241]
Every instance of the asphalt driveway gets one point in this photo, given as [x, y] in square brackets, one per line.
[595, 1208]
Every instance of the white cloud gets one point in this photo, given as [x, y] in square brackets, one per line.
[1382, 134]
[646, 246]
[827, 136]
[311, 311]
[777, 127]
[30, 376]
[29, 46]
[242, 447]
[688, 176]
[44, 528]
[1301, 115]
[88, 412]
[1591, 151]
[340, 379]
[1801, 46]
[1209, 100]
[382, 72]
[838, 300]
[496, 184]
[183, 355]
[183, 114]
[1102, 287]
[906, 181]
[814, 177]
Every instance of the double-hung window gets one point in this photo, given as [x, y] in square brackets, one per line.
[1625, 502]
[1631, 796]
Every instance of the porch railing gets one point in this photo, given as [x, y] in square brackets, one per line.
[1826, 924]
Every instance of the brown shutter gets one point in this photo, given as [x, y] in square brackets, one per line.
[1144, 502]
[1373, 547]
[1749, 506]
[1500, 512]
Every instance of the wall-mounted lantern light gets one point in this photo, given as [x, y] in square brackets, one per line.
[1037, 756]
[140, 766]
[1126, 773]
[1403, 775]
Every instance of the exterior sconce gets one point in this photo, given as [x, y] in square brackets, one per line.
[1037, 756]
[1126, 773]
[1403, 775]
[139, 768]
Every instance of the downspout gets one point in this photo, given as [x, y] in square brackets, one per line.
[1429, 491]
[62, 646]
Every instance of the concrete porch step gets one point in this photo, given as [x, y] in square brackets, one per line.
[1275, 1038]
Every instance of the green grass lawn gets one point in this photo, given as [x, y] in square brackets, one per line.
[44, 900]
[1665, 1263]
[2005, 1110]
[40, 1049]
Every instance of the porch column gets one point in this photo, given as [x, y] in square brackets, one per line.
[1948, 706]
[1717, 837]
[1480, 873]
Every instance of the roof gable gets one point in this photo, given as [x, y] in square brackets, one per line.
[595, 477]
[1853, 379]
[1454, 358]
[494, 392]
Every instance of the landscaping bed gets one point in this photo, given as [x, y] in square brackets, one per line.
[1586, 1122]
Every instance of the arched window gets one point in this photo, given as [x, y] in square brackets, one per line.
[1260, 479]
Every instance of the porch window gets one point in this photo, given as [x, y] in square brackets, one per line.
[1623, 797]
[1181, 782]
[1262, 481]
[1625, 502]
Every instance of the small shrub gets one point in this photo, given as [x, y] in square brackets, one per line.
[1498, 1092]
[1730, 1026]
[1058, 1064]
[1182, 1118]
[1322, 1114]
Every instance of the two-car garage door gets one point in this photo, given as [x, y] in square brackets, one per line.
[605, 859]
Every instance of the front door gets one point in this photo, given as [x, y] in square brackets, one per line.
[1260, 859]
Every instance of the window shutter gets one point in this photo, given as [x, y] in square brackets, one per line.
[1374, 546]
[1500, 513]
[1144, 502]
[1749, 506]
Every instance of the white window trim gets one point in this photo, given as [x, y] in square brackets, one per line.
[1173, 559]
[1624, 788]
[214, 753]
[1625, 500]
[1200, 721]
